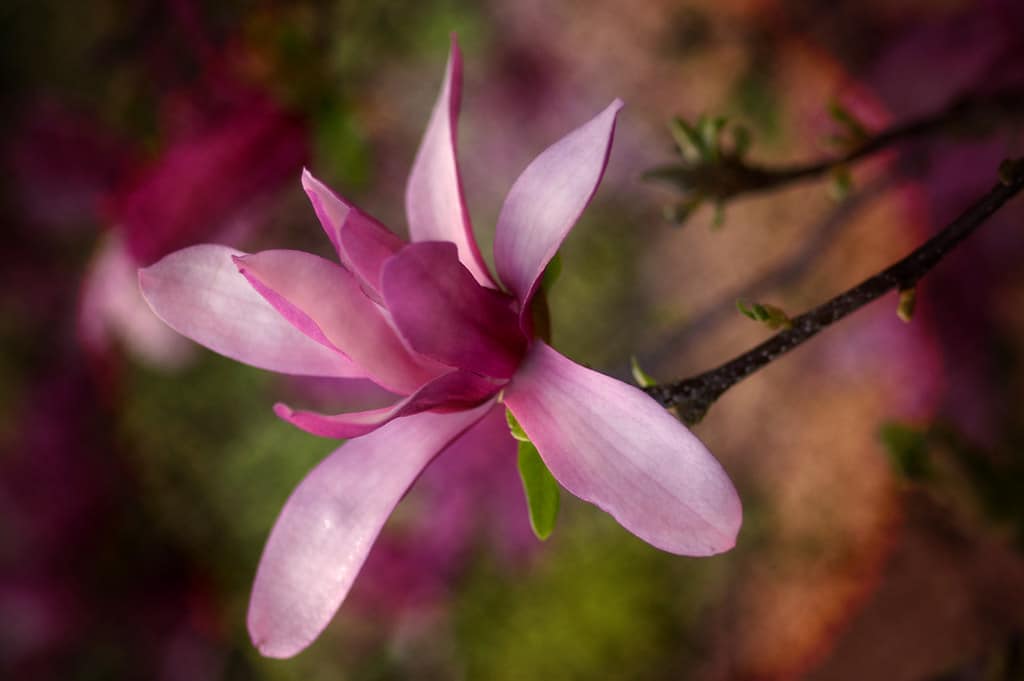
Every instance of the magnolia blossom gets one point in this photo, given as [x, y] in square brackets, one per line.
[428, 321]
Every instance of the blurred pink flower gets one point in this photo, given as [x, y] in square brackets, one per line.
[209, 185]
[209, 180]
[427, 321]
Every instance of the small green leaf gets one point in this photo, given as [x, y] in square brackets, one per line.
[841, 183]
[542, 492]
[908, 300]
[752, 310]
[709, 128]
[642, 378]
[771, 316]
[687, 139]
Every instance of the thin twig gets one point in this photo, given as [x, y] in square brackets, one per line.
[730, 176]
[692, 397]
[785, 274]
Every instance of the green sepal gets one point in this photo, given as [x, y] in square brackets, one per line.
[513, 426]
[541, 488]
[642, 378]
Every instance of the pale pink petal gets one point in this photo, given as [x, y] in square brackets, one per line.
[443, 313]
[611, 444]
[451, 392]
[546, 200]
[111, 308]
[434, 203]
[199, 293]
[326, 302]
[325, 531]
[362, 243]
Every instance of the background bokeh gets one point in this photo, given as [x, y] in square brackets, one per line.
[880, 465]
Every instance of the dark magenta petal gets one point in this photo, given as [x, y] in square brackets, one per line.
[443, 313]
[453, 391]
[362, 243]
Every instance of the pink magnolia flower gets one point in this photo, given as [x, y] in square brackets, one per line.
[428, 321]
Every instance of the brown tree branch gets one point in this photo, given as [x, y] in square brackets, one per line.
[729, 176]
[692, 397]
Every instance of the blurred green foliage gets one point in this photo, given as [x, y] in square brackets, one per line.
[598, 604]
[594, 314]
[214, 462]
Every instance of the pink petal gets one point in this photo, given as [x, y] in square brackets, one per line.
[443, 313]
[546, 200]
[199, 293]
[325, 302]
[362, 243]
[325, 531]
[433, 198]
[611, 444]
[451, 392]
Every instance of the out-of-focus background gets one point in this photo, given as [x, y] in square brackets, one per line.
[880, 465]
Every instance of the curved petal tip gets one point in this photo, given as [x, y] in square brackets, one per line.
[327, 527]
[546, 201]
